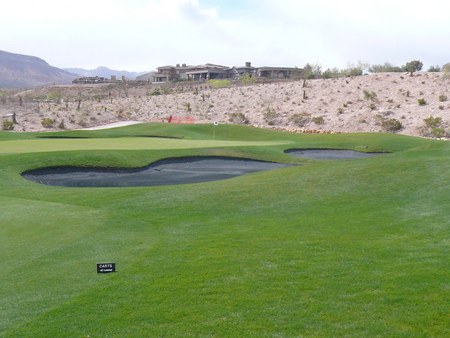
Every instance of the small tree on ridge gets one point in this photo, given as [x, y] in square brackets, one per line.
[413, 66]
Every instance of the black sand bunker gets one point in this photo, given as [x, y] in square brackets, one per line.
[165, 172]
[329, 154]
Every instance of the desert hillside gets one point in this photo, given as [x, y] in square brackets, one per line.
[383, 102]
[18, 71]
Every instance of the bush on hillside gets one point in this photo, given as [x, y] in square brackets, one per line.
[47, 122]
[7, 125]
[300, 119]
[238, 118]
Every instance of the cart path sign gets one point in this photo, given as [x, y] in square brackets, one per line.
[106, 267]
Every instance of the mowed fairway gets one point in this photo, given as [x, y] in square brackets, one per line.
[349, 248]
[44, 145]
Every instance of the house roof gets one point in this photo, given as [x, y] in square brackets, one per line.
[278, 68]
[207, 70]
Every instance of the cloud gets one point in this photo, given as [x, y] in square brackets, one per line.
[144, 34]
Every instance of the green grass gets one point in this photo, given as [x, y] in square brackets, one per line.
[45, 145]
[355, 248]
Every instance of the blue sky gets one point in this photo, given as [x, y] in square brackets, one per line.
[140, 35]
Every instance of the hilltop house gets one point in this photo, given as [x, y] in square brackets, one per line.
[211, 71]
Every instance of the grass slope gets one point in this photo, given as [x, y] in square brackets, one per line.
[355, 248]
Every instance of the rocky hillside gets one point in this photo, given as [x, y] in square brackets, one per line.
[416, 105]
[18, 71]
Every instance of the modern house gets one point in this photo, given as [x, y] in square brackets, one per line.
[276, 72]
[90, 80]
[211, 71]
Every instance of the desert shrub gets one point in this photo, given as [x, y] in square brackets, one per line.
[47, 122]
[300, 119]
[422, 102]
[432, 122]
[219, 83]
[188, 106]
[442, 98]
[7, 125]
[434, 69]
[391, 125]
[318, 119]
[246, 78]
[372, 106]
[55, 95]
[238, 118]
[386, 67]
[441, 107]
[356, 69]
[270, 115]
[439, 132]
[433, 127]
[312, 71]
[340, 110]
[388, 125]
[61, 125]
[333, 73]
[446, 70]
[157, 91]
[82, 122]
[370, 95]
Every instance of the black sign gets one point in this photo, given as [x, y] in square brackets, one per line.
[106, 267]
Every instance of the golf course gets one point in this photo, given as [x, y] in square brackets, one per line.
[354, 247]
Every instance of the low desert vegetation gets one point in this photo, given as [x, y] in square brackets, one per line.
[372, 96]
[7, 125]
[422, 102]
[300, 119]
[219, 83]
[390, 125]
[434, 127]
[47, 122]
[270, 115]
[318, 120]
[238, 118]
[443, 98]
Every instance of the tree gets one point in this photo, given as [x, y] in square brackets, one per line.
[446, 70]
[356, 69]
[312, 71]
[386, 67]
[434, 69]
[413, 66]
[247, 78]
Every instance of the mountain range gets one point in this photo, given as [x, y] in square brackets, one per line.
[18, 71]
[103, 72]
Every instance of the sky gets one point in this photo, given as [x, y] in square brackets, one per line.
[140, 35]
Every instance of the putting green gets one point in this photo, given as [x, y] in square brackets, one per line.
[136, 143]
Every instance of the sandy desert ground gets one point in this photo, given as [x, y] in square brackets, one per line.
[370, 103]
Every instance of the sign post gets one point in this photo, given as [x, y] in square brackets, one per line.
[106, 267]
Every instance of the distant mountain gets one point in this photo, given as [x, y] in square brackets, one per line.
[103, 72]
[146, 76]
[18, 70]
